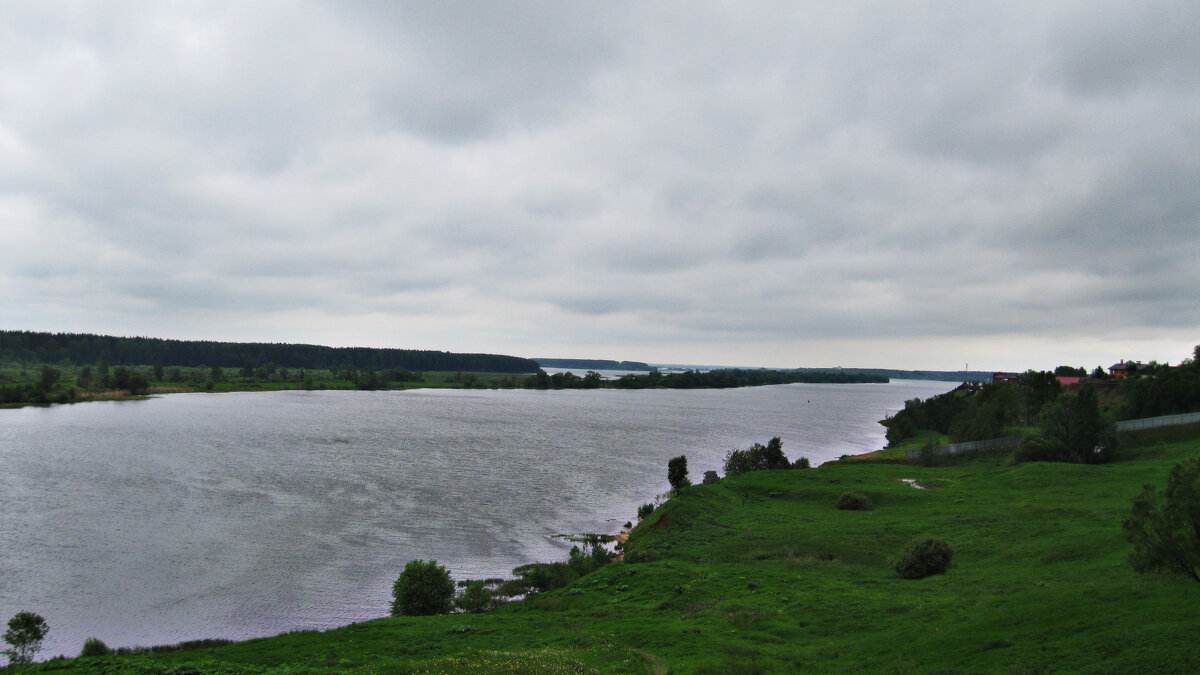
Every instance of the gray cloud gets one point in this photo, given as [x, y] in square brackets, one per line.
[768, 183]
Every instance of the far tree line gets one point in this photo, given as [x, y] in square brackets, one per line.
[79, 349]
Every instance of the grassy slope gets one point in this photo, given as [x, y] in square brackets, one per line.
[762, 574]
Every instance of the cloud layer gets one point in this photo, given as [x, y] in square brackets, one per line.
[768, 183]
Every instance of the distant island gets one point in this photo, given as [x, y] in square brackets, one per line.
[594, 364]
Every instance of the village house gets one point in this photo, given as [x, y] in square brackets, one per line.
[1123, 369]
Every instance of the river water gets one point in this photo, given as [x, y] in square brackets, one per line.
[193, 516]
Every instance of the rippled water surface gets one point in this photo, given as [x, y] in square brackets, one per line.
[237, 515]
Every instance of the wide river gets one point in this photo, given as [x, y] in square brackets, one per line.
[192, 516]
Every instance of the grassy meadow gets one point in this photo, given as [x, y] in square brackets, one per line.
[761, 574]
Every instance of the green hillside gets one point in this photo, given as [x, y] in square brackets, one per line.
[760, 573]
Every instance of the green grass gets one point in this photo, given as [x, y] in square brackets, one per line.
[897, 451]
[761, 573]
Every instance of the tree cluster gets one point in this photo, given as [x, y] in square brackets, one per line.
[426, 588]
[1071, 429]
[966, 415]
[758, 457]
[1160, 390]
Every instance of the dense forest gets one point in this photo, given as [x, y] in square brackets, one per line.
[735, 377]
[85, 349]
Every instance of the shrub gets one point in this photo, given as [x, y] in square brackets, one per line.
[642, 556]
[423, 588]
[802, 463]
[1165, 528]
[711, 477]
[645, 510]
[854, 501]
[923, 558]
[94, 647]
[1037, 447]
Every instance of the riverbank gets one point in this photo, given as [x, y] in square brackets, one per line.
[760, 573]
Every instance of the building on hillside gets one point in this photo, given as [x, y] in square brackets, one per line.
[1123, 369]
[1008, 378]
[1064, 381]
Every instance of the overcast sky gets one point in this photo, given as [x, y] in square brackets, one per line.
[887, 184]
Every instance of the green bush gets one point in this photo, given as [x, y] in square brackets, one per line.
[94, 647]
[854, 501]
[711, 477]
[802, 463]
[1165, 528]
[645, 510]
[924, 557]
[423, 588]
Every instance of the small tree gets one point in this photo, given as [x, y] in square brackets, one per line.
[25, 633]
[1165, 528]
[677, 473]
[476, 597]
[423, 588]
[772, 455]
[711, 477]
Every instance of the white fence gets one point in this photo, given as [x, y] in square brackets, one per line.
[970, 446]
[1010, 441]
[1164, 421]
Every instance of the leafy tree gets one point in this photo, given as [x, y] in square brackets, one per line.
[25, 633]
[677, 473]
[711, 477]
[738, 462]
[1040, 388]
[423, 588]
[1165, 528]
[1072, 430]
[476, 597]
